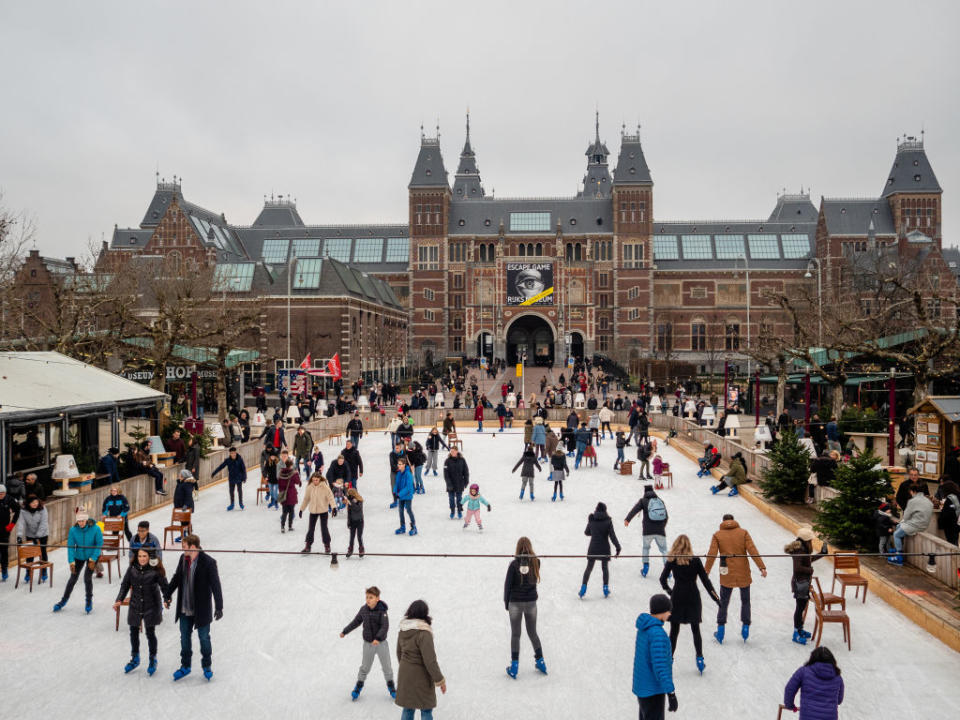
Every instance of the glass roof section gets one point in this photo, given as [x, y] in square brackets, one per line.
[795, 245]
[306, 247]
[233, 277]
[368, 250]
[306, 274]
[275, 250]
[763, 247]
[665, 247]
[398, 250]
[337, 248]
[729, 247]
[696, 247]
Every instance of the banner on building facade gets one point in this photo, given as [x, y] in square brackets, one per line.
[529, 283]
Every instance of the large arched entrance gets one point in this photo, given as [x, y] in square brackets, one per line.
[532, 335]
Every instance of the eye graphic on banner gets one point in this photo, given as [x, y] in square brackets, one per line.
[529, 284]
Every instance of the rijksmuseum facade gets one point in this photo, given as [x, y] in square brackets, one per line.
[555, 277]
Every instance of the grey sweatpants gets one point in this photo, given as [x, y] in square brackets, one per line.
[382, 651]
[523, 483]
[431, 461]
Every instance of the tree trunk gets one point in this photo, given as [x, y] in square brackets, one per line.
[836, 400]
[222, 385]
[781, 388]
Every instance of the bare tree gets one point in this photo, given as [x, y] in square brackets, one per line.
[226, 326]
[17, 232]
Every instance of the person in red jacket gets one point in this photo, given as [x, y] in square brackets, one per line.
[478, 416]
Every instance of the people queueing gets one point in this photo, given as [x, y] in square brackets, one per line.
[84, 543]
[601, 533]
[520, 601]
[654, 525]
[732, 544]
[372, 617]
[146, 581]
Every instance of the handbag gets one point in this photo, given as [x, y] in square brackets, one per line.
[801, 590]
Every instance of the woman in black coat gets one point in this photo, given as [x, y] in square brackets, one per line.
[145, 579]
[600, 531]
[684, 596]
[803, 559]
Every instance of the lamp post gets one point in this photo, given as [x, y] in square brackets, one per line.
[746, 265]
[756, 400]
[806, 401]
[291, 258]
[723, 402]
[892, 415]
[808, 275]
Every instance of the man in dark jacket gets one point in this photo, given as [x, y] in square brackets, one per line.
[9, 514]
[32, 486]
[183, 495]
[655, 519]
[456, 475]
[373, 617]
[146, 540]
[237, 474]
[197, 581]
[355, 429]
[340, 470]
[273, 436]
[353, 459]
[303, 449]
[601, 533]
[108, 465]
[176, 446]
[584, 439]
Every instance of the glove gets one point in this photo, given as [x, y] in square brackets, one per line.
[19, 541]
[218, 615]
[489, 507]
[300, 514]
[91, 564]
[10, 526]
[672, 703]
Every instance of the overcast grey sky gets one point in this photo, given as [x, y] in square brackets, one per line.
[324, 101]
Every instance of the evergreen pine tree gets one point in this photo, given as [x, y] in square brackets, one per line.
[785, 477]
[847, 519]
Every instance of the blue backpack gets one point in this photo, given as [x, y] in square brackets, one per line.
[656, 510]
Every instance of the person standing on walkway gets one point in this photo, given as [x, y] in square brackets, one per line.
[419, 674]
[236, 474]
[199, 602]
[820, 687]
[684, 597]
[601, 534]
[373, 617]
[83, 551]
[317, 500]
[732, 544]
[654, 524]
[653, 663]
[520, 600]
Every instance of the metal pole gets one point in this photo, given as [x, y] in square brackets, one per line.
[892, 401]
[746, 264]
[756, 402]
[820, 305]
[723, 402]
[806, 401]
[289, 291]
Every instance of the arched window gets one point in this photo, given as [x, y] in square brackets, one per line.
[539, 248]
[483, 253]
[491, 252]
[523, 250]
[578, 252]
[569, 254]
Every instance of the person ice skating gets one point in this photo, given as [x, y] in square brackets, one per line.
[302, 450]
[9, 515]
[601, 534]
[449, 424]
[558, 471]
[644, 453]
[83, 550]
[538, 438]
[456, 476]
[916, 519]
[373, 617]
[501, 411]
[145, 580]
[317, 500]
[801, 549]
[654, 524]
[355, 429]
[403, 490]
[820, 687]
[394, 459]
[355, 520]
[473, 501]
[621, 443]
[236, 474]
[653, 662]
[478, 416]
[527, 463]
[143, 538]
[197, 583]
[269, 470]
[433, 444]
[732, 544]
[288, 479]
[419, 672]
[33, 526]
[417, 458]
[684, 597]
[520, 600]
[606, 417]
[116, 505]
[351, 456]
[657, 472]
[583, 440]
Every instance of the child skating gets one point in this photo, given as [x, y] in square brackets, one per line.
[529, 462]
[473, 501]
[558, 470]
[621, 444]
[657, 472]
[373, 617]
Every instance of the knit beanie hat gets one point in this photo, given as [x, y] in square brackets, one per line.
[660, 604]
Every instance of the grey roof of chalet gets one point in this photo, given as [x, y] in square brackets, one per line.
[576, 215]
[911, 171]
[429, 170]
[794, 208]
[278, 214]
[631, 164]
[336, 280]
[852, 216]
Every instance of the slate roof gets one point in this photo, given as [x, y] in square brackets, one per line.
[794, 208]
[336, 279]
[278, 213]
[576, 215]
[466, 183]
[130, 238]
[852, 216]
[911, 171]
[429, 172]
[631, 164]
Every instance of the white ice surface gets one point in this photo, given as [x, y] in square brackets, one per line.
[277, 652]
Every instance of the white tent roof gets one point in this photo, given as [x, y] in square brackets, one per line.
[41, 382]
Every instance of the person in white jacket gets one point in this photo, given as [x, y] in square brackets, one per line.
[606, 417]
[392, 429]
[916, 518]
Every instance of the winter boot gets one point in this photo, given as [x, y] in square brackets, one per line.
[392, 689]
[513, 669]
[181, 673]
[132, 665]
[306, 547]
[733, 492]
[413, 530]
[606, 591]
[152, 665]
[541, 665]
[229, 507]
[402, 530]
[719, 633]
[583, 591]
[745, 632]
[798, 638]
[355, 693]
[700, 664]
[208, 674]
[645, 569]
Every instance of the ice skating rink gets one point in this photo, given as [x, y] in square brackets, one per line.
[277, 651]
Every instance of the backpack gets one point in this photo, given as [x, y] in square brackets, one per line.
[656, 510]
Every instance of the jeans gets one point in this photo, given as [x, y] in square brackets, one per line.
[725, 594]
[135, 640]
[274, 493]
[661, 544]
[186, 647]
[580, 450]
[527, 613]
[238, 486]
[620, 457]
[418, 476]
[355, 439]
[393, 481]
[157, 478]
[653, 707]
[74, 576]
[381, 651]
[408, 713]
[286, 513]
[408, 506]
[456, 502]
[798, 612]
[898, 535]
[306, 466]
[324, 533]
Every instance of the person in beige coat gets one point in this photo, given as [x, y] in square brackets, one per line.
[552, 441]
[732, 544]
[419, 675]
[317, 499]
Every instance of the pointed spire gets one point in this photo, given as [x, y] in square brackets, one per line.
[466, 184]
[597, 181]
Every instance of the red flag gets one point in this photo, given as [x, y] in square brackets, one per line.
[333, 365]
[305, 365]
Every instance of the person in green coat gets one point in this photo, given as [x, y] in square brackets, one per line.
[419, 674]
[83, 550]
[735, 477]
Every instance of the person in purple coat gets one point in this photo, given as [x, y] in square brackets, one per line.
[820, 687]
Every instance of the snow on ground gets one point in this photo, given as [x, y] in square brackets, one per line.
[277, 652]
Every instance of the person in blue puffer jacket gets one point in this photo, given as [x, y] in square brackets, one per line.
[403, 490]
[83, 550]
[653, 661]
[538, 438]
[820, 687]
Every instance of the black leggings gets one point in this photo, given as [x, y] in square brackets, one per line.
[135, 640]
[356, 531]
[697, 640]
[555, 484]
[604, 567]
[798, 612]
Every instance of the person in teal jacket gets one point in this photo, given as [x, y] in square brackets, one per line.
[653, 661]
[472, 502]
[403, 490]
[83, 550]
